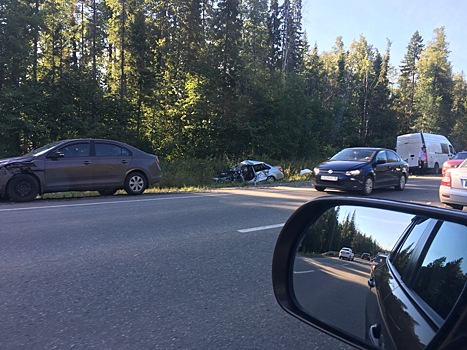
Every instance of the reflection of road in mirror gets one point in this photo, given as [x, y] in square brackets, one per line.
[333, 290]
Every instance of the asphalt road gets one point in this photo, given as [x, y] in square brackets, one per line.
[334, 290]
[180, 271]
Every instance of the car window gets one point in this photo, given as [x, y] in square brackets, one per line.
[110, 150]
[381, 157]
[402, 257]
[257, 167]
[75, 150]
[444, 148]
[392, 157]
[443, 272]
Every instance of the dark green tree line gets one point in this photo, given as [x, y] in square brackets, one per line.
[212, 78]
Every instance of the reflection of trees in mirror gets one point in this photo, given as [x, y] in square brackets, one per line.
[330, 233]
[440, 284]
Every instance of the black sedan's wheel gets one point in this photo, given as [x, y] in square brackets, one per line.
[107, 192]
[22, 188]
[401, 185]
[320, 188]
[135, 183]
[368, 186]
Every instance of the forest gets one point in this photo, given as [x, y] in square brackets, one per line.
[213, 79]
[320, 239]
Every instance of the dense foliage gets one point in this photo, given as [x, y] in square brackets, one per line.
[212, 78]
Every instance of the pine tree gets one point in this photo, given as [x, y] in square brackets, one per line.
[434, 88]
[407, 82]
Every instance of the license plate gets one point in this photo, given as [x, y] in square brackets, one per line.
[329, 178]
[464, 182]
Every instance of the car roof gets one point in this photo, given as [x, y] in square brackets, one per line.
[370, 148]
[251, 162]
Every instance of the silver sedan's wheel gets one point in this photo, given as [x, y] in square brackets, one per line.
[135, 183]
[271, 179]
[368, 186]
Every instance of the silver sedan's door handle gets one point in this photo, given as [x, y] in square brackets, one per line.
[87, 162]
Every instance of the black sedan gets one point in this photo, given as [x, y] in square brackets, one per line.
[362, 169]
[78, 165]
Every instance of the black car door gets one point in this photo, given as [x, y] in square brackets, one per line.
[395, 167]
[68, 167]
[382, 171]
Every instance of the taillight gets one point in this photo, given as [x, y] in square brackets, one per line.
[446, 180]
[280, 169]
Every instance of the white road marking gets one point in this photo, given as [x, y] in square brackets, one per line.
[113, 202]
[309, 271]
[260, 228]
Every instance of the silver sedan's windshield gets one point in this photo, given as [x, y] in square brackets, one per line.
[352, 154]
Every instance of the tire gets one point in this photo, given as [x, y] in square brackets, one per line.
[271, 179]
[368, 185]
[436, 168]
[320, 188]
[135, 183]
[109, 192]
[23, 188]
[456, 206]
[401, 185]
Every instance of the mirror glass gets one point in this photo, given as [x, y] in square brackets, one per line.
[344, 276]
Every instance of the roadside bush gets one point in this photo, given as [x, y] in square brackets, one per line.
[199, 172]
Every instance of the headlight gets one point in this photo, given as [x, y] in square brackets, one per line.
[353, 172]
[316, 171]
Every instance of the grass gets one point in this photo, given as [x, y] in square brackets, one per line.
[196, 175]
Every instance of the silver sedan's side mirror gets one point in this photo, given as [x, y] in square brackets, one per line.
[412, 292]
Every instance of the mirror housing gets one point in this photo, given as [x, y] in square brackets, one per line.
[55, 155]
[290, 240]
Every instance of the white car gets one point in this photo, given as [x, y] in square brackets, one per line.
[453, 189]
[346, 253]
[251, 171]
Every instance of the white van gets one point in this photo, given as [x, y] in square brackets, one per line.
[438, 149]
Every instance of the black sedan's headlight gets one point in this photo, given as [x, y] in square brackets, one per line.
[353, 172]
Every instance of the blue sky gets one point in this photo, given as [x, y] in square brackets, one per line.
[396, 20]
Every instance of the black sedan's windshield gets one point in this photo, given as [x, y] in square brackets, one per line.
[355, 155]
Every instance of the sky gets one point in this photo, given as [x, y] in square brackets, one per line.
[396, 20]
[384, 226]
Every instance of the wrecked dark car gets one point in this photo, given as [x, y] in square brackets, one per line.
[78, 165]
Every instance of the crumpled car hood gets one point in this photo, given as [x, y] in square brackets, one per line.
[22, 159]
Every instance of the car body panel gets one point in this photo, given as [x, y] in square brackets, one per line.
[74, 165]
[454, 162]
[346, 253]
[335, 173]
[453, 188]
[251, 171]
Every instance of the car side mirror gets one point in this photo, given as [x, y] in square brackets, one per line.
[368, 304]
[55, 155]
